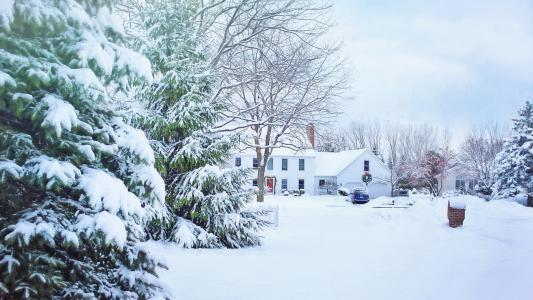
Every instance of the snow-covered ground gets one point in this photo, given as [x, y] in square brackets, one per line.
[326, 248]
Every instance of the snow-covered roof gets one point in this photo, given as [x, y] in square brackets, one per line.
[332, 163]
[276, 152]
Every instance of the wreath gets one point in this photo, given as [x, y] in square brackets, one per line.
[367, 178]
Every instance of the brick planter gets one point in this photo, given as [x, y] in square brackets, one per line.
[456, 216]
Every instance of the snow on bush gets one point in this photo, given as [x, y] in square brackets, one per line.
[82, 76]
[188, 235]
[134, 62]
[26, 231]
[87, 151]
[112, 227]
[90, 50]
[135, 141]
[59, 115]
[148, 176]
[8, 167]
[106, 19]
[104, 191]
[23, 229]
[5, 79]
[52, 171]
[70, 238]
[108, 224]
[9, 261]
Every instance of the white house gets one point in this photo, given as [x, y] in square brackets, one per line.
[455, 179]
[319, 172]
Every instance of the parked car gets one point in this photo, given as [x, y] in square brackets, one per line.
[359, 197]
[400, 193]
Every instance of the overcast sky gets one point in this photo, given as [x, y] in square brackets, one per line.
[450, 63]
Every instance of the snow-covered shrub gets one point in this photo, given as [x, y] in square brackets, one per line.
[514, 170]
[180, 111]
[75, 191]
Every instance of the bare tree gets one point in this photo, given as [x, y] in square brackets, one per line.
[356, 135]
[331, 140]
[276, 74]
[374, 138]
[477, 156]
[392, 136]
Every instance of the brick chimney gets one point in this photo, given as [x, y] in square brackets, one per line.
[310, 130]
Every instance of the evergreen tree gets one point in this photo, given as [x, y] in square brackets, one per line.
[78, 184]
[207, 200]
[515, 162]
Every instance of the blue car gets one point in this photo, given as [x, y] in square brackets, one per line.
[359, 197]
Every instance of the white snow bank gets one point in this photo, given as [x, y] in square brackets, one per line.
[326, 248]
[59, 115]
[105, 191]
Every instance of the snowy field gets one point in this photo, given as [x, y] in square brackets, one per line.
[326, 248]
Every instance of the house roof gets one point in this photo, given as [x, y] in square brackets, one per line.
[332, 163]
[282, 152]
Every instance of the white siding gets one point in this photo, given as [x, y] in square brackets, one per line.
[352, 174]
[292, 174]
[323, 191]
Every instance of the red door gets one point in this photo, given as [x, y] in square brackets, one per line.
[270, 185]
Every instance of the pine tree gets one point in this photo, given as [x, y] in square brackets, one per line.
[515, 162]
[78, 184]
[207, 200]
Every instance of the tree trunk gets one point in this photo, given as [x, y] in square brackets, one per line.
[391, 184]
[261, 182]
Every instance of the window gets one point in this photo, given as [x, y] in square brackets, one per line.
[283, 184]
[254, 182]
[459, 184]
[237, 161]
[284, 164]
[322, 183]
[301, 164]
[270, 164]
[254, 163]
[301, 184]
[472, 184]
[366, 167]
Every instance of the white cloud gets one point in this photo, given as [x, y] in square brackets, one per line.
[449, 63]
